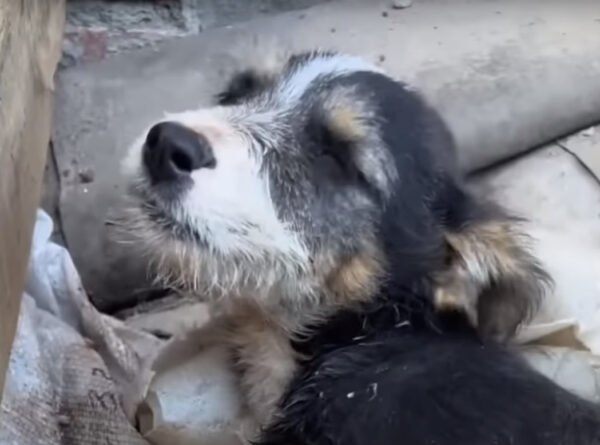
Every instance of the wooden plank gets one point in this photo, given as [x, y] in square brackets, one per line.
[30, 47]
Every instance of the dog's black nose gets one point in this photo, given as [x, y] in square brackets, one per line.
[172, 151]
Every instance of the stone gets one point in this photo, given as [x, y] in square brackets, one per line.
[86, 175]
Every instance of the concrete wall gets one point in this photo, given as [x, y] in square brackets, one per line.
[97, 28]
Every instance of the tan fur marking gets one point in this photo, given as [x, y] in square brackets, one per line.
[356, 279]
[265, 358]
[345, 114]
[346, 123]
[488, 249]
[457, 293]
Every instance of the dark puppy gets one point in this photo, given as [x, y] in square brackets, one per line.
[361, 288]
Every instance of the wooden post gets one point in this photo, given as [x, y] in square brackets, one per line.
[30, 47]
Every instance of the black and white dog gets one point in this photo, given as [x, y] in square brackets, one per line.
[364, 293]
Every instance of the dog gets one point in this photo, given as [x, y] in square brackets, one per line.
[365, 293]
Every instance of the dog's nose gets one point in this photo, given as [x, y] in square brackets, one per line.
[172, 151]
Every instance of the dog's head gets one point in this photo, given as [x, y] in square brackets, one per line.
[279, 188]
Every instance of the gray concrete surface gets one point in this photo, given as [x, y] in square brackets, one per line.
[550, 187]
[506, 75]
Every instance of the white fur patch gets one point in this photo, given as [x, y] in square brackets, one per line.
[229, 205]
[232, 205]
[335, 65]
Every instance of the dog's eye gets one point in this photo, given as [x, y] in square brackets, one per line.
[241, 86]
[332, 157]
[328, 166]
[338, 165]
[332, 149]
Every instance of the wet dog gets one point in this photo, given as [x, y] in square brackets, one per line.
[365, 294]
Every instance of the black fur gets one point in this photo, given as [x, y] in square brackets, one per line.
[416, 387]
[397, 371]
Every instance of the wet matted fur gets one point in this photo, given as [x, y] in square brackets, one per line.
[364, 292]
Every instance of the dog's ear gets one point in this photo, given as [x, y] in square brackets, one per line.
[242, 86]
[492, 276]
